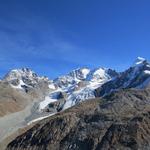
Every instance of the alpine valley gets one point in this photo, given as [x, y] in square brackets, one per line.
[86, 109]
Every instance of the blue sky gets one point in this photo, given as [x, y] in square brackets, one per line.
[55, 36]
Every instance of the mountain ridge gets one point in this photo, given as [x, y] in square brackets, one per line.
[49, 97]
[80, 84]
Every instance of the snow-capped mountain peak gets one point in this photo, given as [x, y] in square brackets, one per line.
[80, 74]
[101, 75]
[139, 61]
[23, 78]
[80, 84]
[141, 66]
[98, 75]
[72, 78]
[137, 76]
[19, 73]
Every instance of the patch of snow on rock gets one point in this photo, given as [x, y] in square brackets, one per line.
[147, 71]
[45, 102]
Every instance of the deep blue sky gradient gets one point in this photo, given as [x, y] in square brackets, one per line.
[55, 36]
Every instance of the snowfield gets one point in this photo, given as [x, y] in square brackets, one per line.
[45, 102]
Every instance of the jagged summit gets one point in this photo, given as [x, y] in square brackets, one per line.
[139, 61]
[137, 76]
[80, 73]
[98, 75]
[23, 77]
[101, 75]
[17, 73]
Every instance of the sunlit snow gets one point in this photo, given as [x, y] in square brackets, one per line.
[46, 101]
[147, 71]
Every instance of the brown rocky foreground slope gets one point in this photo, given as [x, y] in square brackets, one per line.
[118, 121]
[14, 100]
[11, 100]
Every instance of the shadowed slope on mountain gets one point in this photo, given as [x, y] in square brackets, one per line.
[137, 76]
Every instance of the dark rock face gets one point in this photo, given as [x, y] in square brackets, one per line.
[120, 120]
[60, 95]
[55, 107]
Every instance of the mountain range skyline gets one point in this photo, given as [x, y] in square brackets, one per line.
[29, 99]
[138, 59]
